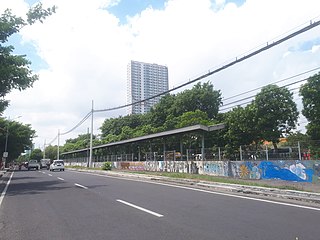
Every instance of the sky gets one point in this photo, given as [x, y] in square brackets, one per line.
[81, 53]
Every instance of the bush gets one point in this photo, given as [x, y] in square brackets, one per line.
[106, 166]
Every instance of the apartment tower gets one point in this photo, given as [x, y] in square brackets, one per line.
[145, 80]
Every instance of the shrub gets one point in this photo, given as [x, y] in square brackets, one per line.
[106, 166]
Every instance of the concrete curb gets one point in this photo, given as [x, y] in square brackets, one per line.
[308, 197]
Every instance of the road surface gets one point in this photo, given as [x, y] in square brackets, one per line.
[74, 205]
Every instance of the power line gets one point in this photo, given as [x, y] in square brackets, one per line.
[72, 129]
[282, 80]
[252, 96]
[79, 124]
[238, 60]
[55, 138]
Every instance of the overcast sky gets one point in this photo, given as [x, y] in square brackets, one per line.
[81, 52]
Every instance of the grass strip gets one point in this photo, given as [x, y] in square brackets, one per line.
[200, 177]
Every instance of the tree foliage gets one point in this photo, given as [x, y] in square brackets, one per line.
[193, 118]
[18, 137]
[198, 105]
[36, 154]
[269, 117]
[201, 97]
[81, 142]
[15, 72]
[51, 152]
[311, 105]
[241, 125]
[276, 112]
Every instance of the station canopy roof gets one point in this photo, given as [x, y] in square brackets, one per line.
[179, 131]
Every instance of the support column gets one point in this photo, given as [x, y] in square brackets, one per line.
[202, 147]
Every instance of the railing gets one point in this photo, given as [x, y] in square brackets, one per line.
[243, 153]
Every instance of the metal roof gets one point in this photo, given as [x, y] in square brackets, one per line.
[193, 128]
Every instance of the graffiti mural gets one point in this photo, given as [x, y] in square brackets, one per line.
[288, 170]
[299, 171]
[218, 168]
[136, 166]
[151, 166]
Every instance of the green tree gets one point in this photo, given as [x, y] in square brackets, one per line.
[162, 110]
[51, 152]
[276, 113]
[201, 97]
[192, 118]
[241, 127]
[311, 105]
[36, 154]
[81, 142]
[15, 72]
[17, 136]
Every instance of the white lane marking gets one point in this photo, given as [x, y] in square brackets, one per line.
[211, 192]
[60, 178]
[50, 175]
[5, 189]
[78, 185]
[140, 208]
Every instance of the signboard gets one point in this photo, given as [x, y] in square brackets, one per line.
[5, 154]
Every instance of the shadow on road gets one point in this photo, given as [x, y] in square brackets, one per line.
[21, 185]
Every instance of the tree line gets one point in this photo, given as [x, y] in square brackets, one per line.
[16, 74]
[270, 116]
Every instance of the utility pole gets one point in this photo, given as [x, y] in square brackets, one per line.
[58, 153]
[91, 137]
[44, 149]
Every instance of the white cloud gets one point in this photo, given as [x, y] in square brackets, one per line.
[87, 51]
[315, 49]
[18, 7]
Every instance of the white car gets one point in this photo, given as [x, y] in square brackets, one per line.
[33, 164]
[57, 165]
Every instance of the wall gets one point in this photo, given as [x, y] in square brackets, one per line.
[289, 170]
[299, 171]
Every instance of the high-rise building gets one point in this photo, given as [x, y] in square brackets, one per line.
[145, 80]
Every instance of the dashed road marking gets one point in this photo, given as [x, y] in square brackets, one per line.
[81, 186]
[140, 208]
[60, 178]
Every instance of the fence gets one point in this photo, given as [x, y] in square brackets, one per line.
[299, 151]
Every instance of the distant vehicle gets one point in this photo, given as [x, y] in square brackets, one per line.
[45, 163]
[57, 165]
[33, 164]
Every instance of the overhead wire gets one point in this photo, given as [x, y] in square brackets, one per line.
[79, 124]
[282, 80]
[312, 25]
[54, 139]
[252, 96]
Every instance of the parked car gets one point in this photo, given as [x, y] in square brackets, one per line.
[57, 165]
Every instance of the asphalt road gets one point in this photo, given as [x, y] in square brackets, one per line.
[73, 205]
